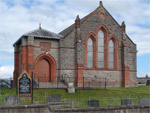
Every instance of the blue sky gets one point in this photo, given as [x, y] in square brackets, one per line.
[21, 16]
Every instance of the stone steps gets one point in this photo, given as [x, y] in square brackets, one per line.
[52, 85]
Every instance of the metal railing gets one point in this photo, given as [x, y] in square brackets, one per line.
[86, 82]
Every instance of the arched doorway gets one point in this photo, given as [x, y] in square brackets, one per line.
[44, 70]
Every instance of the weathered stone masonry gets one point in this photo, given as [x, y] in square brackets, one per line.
[66, 52]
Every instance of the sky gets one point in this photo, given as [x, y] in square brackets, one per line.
[20, 16]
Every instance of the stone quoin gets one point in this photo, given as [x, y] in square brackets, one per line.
[94, 46]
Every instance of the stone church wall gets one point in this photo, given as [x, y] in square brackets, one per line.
[67, 55]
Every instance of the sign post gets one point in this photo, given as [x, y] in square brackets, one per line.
[24, 88]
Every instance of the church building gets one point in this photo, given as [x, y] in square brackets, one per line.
[95, 46]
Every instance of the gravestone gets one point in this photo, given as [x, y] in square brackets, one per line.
[35, 84]
[126, 102]
[71, 88]
[148, 83]
[144, 101]
[51, 99]
[93, 103]
[70, 85]
[11, 100]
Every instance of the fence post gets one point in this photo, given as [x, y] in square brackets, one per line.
[32, 87]
[57, 82]
[72, 104]
[83, 82]
[45, 96]
[105, 83]
[17, 83]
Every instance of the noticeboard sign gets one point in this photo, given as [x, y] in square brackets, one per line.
[24, 85]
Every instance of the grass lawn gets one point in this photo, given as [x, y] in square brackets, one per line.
[110, 96]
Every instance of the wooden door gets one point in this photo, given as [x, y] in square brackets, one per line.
[44, 71]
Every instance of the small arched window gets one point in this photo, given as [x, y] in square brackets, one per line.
[90, 53]
[111, 54]
[100, 49]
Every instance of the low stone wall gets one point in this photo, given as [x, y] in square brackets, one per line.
[47, 109]
[121, 109]
[25, 109]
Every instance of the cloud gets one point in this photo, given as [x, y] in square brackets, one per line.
[6, 71]
[55, 15]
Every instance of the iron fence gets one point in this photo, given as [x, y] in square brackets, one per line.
[86, 82]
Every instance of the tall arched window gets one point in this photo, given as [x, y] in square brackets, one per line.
[90, 53]
[111, 54]
[100, 49]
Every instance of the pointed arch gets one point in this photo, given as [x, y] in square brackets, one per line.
[88, 53]
[104, 29]
[102, 45]
[115, 42]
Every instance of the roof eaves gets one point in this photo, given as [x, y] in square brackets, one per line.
[112, 17]
[17, 41]
[130, 39]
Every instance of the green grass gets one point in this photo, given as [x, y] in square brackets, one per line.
[111, 96]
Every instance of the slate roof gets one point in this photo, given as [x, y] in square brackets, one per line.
[41, 33]
[67, 30]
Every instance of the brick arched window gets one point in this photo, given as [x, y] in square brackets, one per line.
[101, 53]
[100, 49]
[111, 54]
[90, 53]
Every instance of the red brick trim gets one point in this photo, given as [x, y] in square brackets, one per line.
[100, 69]
[66, 69]
[16, 68]
[79, 75]
[101, 13]
[92, 36]
[45, 46]
[52, 63]
[30, 54]
[24, 58]
[30, 58]
[102, 82]
[57, 47]
[126, 76]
